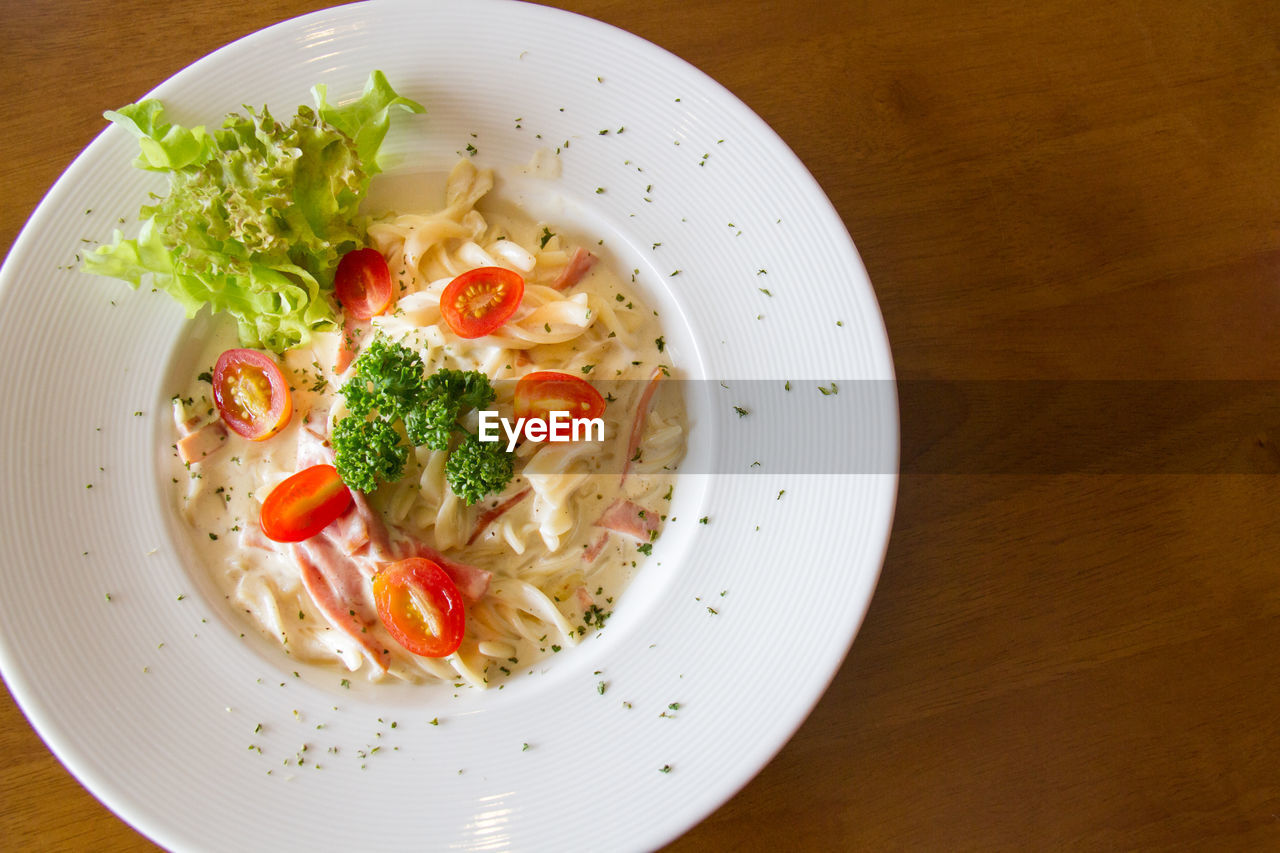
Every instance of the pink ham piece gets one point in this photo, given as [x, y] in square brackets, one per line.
[202, 442]
[313, 447]
[378, 538]
[491, 515]
[593, 550]
[349, 531]
[580, 263]
[334, 582]
[353, 332]
[472, 582]
[630, 519]
[637, 423]
[366, 526]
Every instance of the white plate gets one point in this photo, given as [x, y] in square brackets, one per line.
[137, 677]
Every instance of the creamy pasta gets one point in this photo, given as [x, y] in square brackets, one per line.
[541, 563]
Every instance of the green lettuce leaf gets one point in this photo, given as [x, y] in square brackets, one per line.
[258, 212]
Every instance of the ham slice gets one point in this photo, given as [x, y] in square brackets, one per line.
[355, 528]
[378, 538]
[593, 550]
[580, 263]
[353, 332]
[349, 531]
[472, 582]
[491, 515]
[313, 448]
[335, 584]
[630, 519]
[360, 525]
[202, 442]
[642, 413]
[361, 537]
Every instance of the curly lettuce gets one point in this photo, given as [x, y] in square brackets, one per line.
[258, 212]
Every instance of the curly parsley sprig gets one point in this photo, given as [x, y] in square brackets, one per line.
[394, 406]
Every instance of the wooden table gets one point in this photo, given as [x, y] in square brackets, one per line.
[1076, 639]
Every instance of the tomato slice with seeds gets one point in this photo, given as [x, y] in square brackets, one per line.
[420, 606]
[362, 283]
[480, 300]
[251, 393]
[304, 504]
[539, 394]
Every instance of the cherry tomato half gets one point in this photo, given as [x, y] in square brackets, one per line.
[539, 394]
[480, 300]
[421, 607]
[251, 393]
[304, 504]
[362, 283]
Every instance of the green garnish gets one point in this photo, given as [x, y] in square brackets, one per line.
[477, 468]
[394, 406]
[258, 212]
[593, 616]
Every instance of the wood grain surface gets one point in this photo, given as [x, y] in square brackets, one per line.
[1075, 644]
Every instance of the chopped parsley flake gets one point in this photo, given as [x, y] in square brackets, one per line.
[593, 616]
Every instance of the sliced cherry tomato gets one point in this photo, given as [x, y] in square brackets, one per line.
[480, 300]
[304, 504]
[251, 393]
[539, 394]
[421, 607]
[362, 283]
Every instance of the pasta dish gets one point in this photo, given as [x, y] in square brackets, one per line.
[531, 567]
